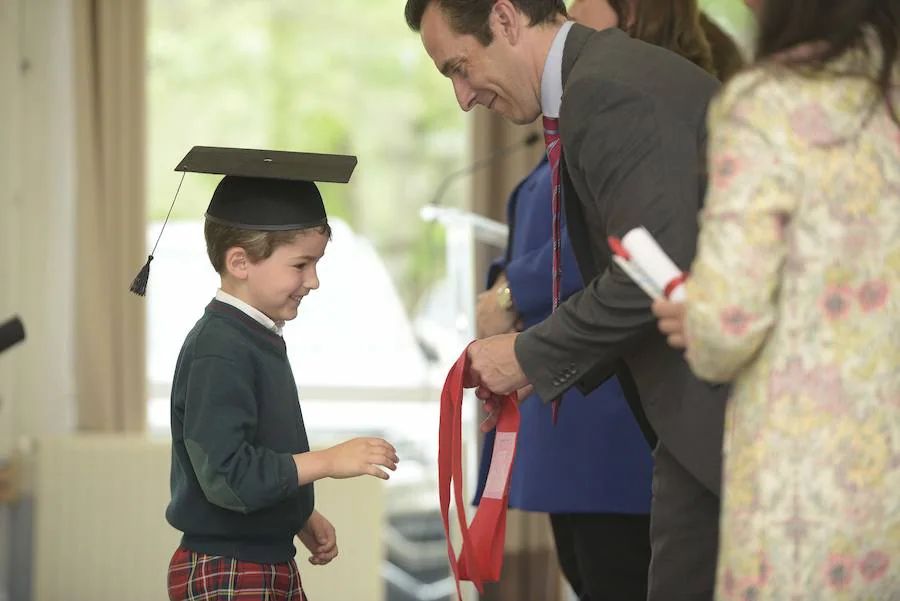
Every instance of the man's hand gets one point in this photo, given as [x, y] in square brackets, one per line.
[319, 537]
[671, 321]
[494, 367]
[490, 318]
[493, 407]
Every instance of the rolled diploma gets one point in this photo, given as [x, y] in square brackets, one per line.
[640, 278]
[653, 261]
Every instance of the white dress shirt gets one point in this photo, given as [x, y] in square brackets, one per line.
[253, 312]
[551, 80]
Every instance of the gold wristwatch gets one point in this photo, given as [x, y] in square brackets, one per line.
[504, 298]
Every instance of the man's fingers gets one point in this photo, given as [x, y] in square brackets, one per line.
[524, 393]
[491, 405]
[490, 422]
[484, 393]
[471, 379]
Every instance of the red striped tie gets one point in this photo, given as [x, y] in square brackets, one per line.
[554, 153]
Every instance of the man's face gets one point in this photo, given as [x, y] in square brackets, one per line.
[495, 76]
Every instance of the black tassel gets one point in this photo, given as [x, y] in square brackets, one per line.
[139, 284]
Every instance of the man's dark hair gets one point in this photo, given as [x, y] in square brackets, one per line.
[842, 25]
[470, 17]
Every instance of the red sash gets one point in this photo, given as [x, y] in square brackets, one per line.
[481, 557]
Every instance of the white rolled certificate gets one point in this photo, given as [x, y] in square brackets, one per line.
[645, 262]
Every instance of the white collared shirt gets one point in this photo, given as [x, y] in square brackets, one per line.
[250, 310]
[551, 80]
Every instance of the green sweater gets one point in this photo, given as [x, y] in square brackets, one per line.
[236, 423]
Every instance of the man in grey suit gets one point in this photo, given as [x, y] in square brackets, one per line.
[632, 125]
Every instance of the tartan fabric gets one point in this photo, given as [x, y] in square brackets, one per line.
[199, 577]
[554, 153]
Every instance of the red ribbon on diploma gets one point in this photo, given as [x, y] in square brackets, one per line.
[481, 557]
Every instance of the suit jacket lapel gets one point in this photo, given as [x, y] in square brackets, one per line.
[576, 224]
[575, 41]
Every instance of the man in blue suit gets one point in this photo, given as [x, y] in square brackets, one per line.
[592, 471]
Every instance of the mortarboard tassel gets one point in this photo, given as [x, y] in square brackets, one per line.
[139, 283]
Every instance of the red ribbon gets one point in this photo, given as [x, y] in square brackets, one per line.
[481, 557]
[675, 283]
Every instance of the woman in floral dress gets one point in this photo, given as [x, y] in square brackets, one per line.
[794, 297]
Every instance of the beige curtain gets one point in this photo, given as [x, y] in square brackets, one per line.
[530, 566]
[110, 66]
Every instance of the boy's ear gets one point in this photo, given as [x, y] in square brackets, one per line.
[237, 262]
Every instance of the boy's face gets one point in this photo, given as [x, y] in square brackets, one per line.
[276, 285]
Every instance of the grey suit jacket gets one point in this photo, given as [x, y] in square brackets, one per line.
[633, 130]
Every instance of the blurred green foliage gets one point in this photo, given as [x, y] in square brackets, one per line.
[345, 76]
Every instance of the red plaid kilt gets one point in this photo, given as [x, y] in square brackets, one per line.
[199, 577]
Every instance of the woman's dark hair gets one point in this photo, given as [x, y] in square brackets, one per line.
[726, 55]
[670, 24]
[839, 26]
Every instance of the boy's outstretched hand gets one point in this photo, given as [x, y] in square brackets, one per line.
[319, 537]
[361, 456]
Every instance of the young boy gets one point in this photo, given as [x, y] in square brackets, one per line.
[242, 472]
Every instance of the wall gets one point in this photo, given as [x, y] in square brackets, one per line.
[36, 217]
[36, 243]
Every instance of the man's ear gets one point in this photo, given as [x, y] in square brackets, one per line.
[237, 262]
[505, 20]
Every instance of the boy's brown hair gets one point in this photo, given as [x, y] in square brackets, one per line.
[259, 245]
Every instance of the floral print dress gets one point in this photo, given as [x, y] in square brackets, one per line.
[794, 297]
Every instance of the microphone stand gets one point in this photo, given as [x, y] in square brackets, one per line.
[528, 141]
[461, 230]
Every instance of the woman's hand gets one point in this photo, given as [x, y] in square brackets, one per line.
[671, 321]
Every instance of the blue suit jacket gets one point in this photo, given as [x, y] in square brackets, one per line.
[595, 460]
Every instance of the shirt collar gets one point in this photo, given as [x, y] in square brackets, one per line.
[250, 310]
[551, 80]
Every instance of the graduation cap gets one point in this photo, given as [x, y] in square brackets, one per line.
[264, 190]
